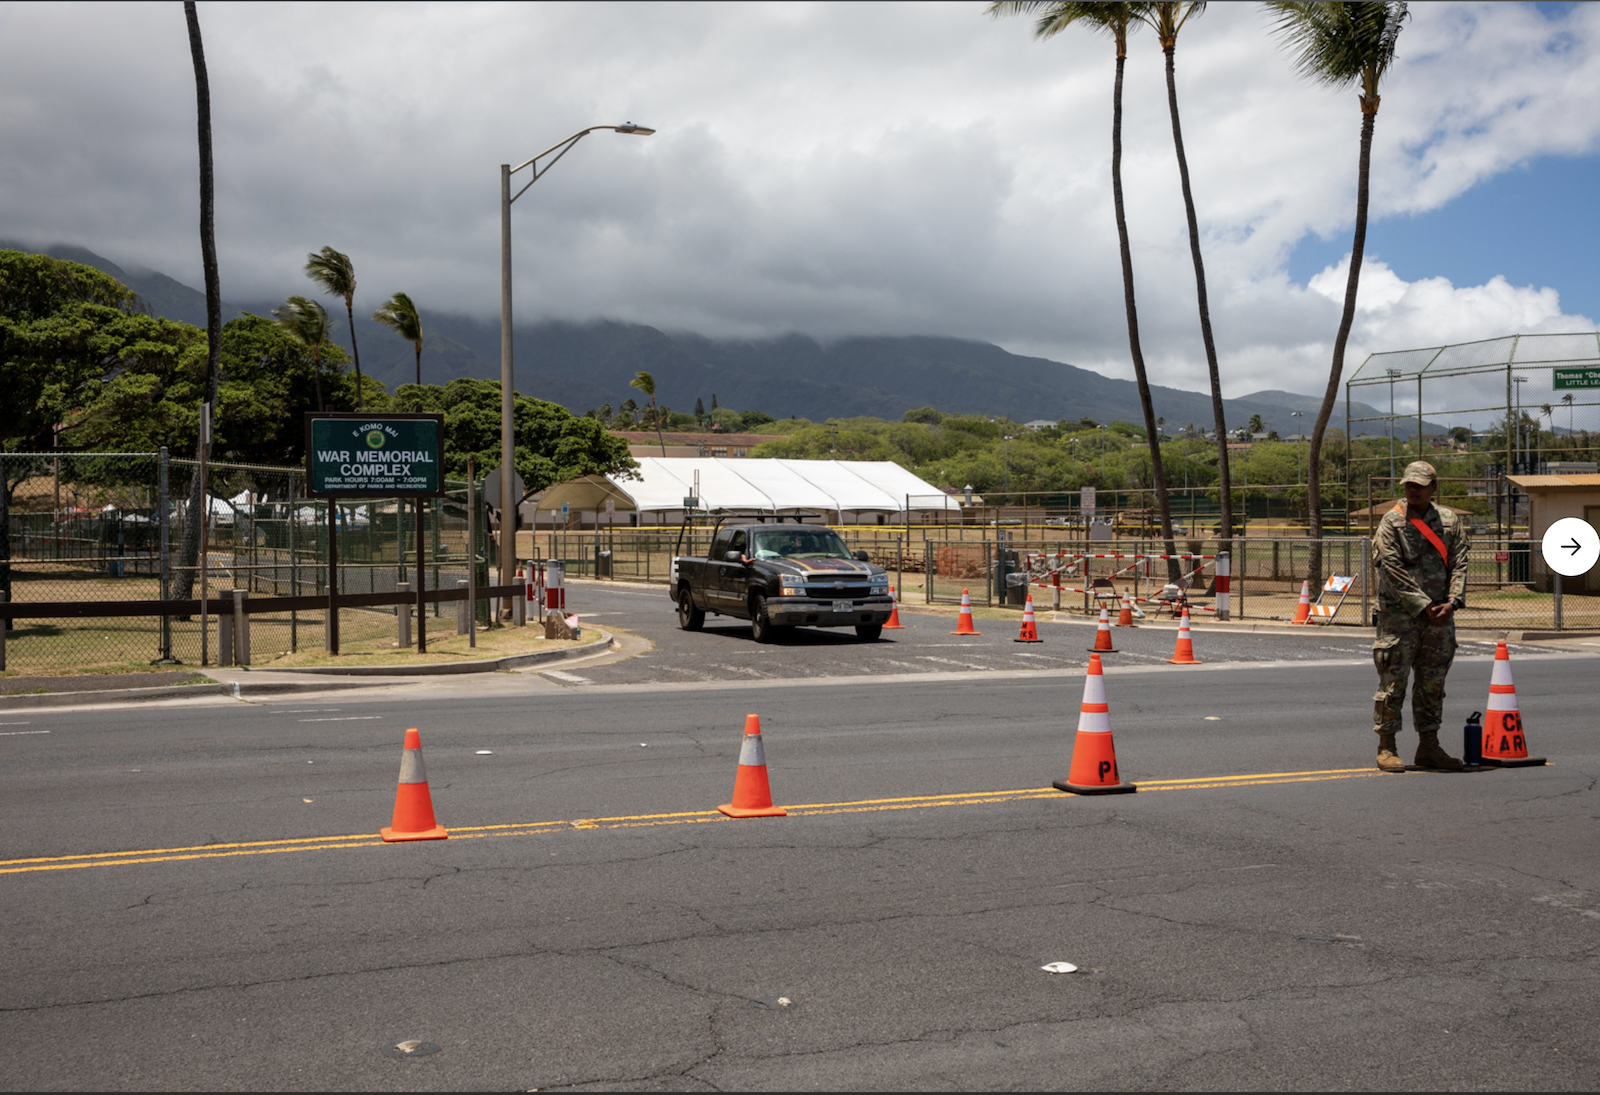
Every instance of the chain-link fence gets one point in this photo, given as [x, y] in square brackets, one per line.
[1507, 586]
[85, 528]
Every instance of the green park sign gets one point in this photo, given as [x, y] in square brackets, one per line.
[384, 455]
[1576, 378]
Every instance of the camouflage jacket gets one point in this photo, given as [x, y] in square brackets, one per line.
[1411, 575]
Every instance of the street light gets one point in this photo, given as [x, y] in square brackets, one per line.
[1299, 436]
[508, 543]
[1102, 455]
[1007, 448]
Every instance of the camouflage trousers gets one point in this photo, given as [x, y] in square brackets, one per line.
[1405, 645]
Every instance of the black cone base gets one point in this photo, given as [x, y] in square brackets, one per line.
[1103, 650]
[1095, 788]
[1512, 762]
[1027, 640]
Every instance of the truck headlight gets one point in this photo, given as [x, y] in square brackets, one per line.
[880, 587]
[793, 585]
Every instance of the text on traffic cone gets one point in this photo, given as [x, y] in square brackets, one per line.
[1030, 630]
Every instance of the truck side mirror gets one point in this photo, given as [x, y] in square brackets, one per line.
[732, 557]
[860, 555]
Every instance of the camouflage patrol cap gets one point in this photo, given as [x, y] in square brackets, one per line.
[1421, 473]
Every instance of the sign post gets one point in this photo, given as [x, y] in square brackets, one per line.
[373, 456]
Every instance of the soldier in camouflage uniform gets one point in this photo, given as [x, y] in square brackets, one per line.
[1420, 553]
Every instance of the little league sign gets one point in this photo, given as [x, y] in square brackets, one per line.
[358, 454]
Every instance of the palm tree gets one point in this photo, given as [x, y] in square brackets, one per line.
[1567, 399]
[647, 384]
[306, 321]
[1116, 20]
[334, 271]
[1340, 44]
[1167, 19]
[1256, 425]
[402, 317]
[189, 551]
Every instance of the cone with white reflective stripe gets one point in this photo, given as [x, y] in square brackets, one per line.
[1303, 612]
[751, 795]
[1094, 757]
[1504, 743]
[1102, 634]
[1030, 629]
[1125, 617]
[964, 621]
[1183, 649]
[413, 805]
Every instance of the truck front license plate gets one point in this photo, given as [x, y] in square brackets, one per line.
[843, 606]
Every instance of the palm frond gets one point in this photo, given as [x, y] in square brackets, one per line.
[1340, 43]
[401, 316]
[305, 320]
[1056, 16]
[645, 383]
[332, 270]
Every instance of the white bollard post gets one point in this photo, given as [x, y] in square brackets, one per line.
[1223, 581]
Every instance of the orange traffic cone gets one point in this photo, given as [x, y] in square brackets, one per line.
[1030, 632]
[1102, 634]
[1303, 613]
[751, 795]
[1503, 741]
[413, 806]
[964, 624]
[1125, 617]
[1094, 758]
[1183, 653]
[894, 623]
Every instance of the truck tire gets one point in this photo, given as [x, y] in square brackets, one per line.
[869, 633]
[690, 618]
[762, 629]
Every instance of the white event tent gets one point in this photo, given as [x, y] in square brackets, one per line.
[846, 491]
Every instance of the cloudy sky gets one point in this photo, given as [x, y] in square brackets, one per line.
[829, 169]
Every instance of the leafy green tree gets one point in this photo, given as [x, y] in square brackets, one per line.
[647, 384]
[925, 415]
[1341, 44]
[401, 317]
[699, 409]
[551, 444]
[1116, 20]
[336, 274]
[306, 321]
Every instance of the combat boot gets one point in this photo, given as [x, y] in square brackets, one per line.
[1430, 754]
[1388, 759]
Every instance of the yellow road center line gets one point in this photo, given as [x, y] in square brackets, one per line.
[636, 821]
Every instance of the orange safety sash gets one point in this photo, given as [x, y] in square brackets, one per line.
[1432, 538]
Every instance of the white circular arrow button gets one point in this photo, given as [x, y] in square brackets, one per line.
[1571, 546]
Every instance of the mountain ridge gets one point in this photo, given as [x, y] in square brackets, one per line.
[586, 365]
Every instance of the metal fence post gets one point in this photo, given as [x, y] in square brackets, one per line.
[402, 615]
[463, 607]
[241, 629]
[1555, 574]
[5, 625]
[166, 557]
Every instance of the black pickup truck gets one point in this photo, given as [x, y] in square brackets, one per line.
[779, 576]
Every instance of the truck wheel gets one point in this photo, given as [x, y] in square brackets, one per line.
[868, 633]
[762, 629]
[690, 618]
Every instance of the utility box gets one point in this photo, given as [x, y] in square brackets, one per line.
[602, 564]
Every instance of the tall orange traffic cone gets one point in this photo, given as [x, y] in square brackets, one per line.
[964, 623]
[751, 795]
[413, 806]
[1102, 634]
[1094, 758]
[1183, 653]
[894, 623]
[1030, 632]
[1303, 613]
[1125, 617]
[1504, 743]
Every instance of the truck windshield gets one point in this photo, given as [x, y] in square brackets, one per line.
[799, 543]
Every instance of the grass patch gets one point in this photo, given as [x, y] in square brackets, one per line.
[443, 648]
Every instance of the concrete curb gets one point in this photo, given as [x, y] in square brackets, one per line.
[448, 669]
[232, 689]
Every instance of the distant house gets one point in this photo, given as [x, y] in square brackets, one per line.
[1038, 424]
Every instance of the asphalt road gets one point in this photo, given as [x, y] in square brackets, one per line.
[1267, 912]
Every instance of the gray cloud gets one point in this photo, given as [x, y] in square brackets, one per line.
[833, 169]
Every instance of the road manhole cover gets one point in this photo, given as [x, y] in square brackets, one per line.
[412, 1048]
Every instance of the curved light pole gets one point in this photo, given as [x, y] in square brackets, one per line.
[1299, 435]
[508, 521]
